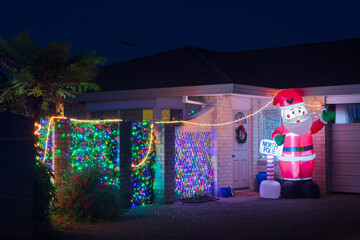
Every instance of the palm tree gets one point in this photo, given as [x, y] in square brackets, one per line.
[39, 77]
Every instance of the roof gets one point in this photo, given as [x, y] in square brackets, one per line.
[309, 65]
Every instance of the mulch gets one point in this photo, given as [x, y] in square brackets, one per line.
[202, 199]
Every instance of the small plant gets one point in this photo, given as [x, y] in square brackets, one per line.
[86, 196]
[199, 195]
[44, 193]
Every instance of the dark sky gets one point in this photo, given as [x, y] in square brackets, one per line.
[161, 25]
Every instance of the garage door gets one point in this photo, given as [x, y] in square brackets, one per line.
[345, 157]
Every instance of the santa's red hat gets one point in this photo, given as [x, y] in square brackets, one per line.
[288, 99]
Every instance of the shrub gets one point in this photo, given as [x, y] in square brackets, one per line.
[44, 193]
[85, 195]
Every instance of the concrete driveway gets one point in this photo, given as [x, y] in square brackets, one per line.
[335, 216]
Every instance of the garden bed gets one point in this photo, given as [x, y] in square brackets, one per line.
[201, 199]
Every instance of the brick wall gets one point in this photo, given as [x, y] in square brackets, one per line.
[61, 135]
[224, 171]
[164, 186]
[125, 163]
[254, 146]
[319, 174]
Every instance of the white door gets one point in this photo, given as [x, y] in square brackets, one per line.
[240, 157]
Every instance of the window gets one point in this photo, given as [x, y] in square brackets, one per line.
[147, 114]
[171, 114]
[131, 115]
[271, 121]
[104, 115]
[240, 115]
[165, 114]
[176, 114]
[347, 113]
[97, 115]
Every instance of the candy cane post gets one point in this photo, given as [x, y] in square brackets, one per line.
[270, 167]
[270, 188]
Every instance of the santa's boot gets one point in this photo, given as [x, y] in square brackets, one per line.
[309, 189]
[290, 189]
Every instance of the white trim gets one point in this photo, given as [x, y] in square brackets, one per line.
[199, 90]
[350, 89]
[292, 179]
[295, 159]
[343, 99]
[292, 106]
[307, 178]
[297, 179]
[322, 120]
[185, 99]
[216, 89]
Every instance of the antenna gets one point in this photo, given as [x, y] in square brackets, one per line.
[133, 45]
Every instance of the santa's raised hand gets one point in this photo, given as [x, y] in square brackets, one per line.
[328, 116]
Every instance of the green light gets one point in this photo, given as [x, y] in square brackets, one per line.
[142, 175]
[90, 146]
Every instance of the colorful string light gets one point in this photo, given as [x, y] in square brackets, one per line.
[194, 171]
[160, 122]
[48, 130]
[44, 142]
[143, 158]
[95, 143]
[215, 124]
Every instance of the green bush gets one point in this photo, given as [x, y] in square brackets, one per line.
[85, 195]
[44, 193]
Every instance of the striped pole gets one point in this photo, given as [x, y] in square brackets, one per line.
[270, 167]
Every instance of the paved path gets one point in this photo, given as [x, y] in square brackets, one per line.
[335, 216]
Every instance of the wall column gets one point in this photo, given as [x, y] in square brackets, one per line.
[164, 187]
[125, 163]
[61, 136]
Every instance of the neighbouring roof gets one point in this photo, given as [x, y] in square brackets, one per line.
[309, 65]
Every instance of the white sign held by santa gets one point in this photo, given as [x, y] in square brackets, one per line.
[270, 147]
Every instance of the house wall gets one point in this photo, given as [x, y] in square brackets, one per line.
[256, 136]
[224, 170]
[61, 148]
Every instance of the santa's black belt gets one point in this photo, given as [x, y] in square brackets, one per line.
[297, 149]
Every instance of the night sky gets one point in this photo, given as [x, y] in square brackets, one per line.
[161, 25]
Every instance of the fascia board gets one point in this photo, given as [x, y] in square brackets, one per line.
[329, 90]
[157, 92]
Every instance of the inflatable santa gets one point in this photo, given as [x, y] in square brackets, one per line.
[298, 157]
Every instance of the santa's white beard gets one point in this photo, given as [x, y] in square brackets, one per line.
[300, 128]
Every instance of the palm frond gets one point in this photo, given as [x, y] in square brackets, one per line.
[8, 57]
[88, 60]
[75, 73]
